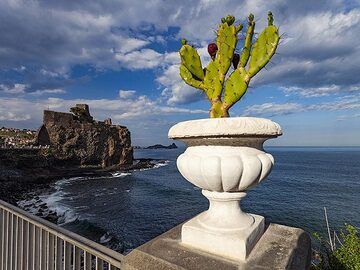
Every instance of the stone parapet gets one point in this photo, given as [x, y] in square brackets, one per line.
[280, 247]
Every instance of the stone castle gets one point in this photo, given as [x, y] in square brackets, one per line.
[79, 139]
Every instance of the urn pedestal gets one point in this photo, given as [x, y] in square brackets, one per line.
[225, 157]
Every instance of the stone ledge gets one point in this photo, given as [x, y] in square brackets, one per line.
[280, 247]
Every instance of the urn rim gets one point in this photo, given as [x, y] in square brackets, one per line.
[226, 127]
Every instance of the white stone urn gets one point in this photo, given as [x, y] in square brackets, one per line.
[225, 157]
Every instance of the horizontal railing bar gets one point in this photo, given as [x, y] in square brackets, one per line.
[83, 243]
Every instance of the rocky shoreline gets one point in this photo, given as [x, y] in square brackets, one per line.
[17, 184]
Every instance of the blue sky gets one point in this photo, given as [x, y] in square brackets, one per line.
[121, 58]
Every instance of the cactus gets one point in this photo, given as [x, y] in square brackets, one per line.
[224, 93]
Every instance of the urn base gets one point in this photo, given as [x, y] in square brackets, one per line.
[234, 244]
[224, 229]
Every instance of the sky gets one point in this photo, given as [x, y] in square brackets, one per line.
[121, 58]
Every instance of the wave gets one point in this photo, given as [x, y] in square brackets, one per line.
[120, 174]
[49, 207]
[53, 201]
[92, 231]
[165, 163]
[66, 181]
[157, 165]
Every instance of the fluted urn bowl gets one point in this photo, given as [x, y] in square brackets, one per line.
[224, 158]
[225, 154]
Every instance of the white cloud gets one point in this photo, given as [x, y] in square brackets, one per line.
[343, 103]
[272, 108]
[320, 51]
[175, 90]
[312, 91]
[348, 117]
[354, 88]
[47, 91]
[23, 89]
[320, 91]
[50, 73]
[127, 45]
[143, 59]
[17, 88]
[325, 34]
[9, 116]
[126, 93]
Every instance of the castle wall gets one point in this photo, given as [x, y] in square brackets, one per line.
[58, 118]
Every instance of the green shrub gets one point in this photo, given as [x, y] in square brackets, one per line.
[345, 257]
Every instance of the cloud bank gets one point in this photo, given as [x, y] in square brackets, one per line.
[42, 40]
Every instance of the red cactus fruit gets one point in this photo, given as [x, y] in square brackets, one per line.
[212, 49]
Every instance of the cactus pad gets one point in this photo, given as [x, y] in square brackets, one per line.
[191, 60]
[212, 83]
[263, 49]
[236, 86]
[188, 77]
[247, 44]
[226, 43]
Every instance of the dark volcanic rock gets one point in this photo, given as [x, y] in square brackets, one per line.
[78, 139]
[22, 170]
[160, 146]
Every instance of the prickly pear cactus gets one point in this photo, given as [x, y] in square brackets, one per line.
[224, 93]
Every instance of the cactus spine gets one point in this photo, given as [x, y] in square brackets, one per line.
[224, 93]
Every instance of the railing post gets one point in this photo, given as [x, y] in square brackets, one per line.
[20, 240]
[14, 242]
[50, 250]
[5, 244]
[58, 253]
[87, 261]
[99, 264]
[25, 243]
[77, 259]
[67, 255]
[30, 247]
[10, 241]
[1, 236]
[43, 249]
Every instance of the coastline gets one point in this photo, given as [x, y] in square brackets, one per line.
[19, 183]
[42, 200]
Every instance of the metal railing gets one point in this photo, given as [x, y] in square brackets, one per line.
[28, 242]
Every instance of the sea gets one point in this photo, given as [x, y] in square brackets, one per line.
[129, 209]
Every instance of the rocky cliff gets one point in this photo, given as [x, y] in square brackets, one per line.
[77, 138]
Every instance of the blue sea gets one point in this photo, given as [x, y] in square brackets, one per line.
[130, 209]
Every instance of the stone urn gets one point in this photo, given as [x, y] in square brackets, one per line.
[225, 158]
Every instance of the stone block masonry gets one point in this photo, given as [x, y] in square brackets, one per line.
[84, 141]
[280, 247]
